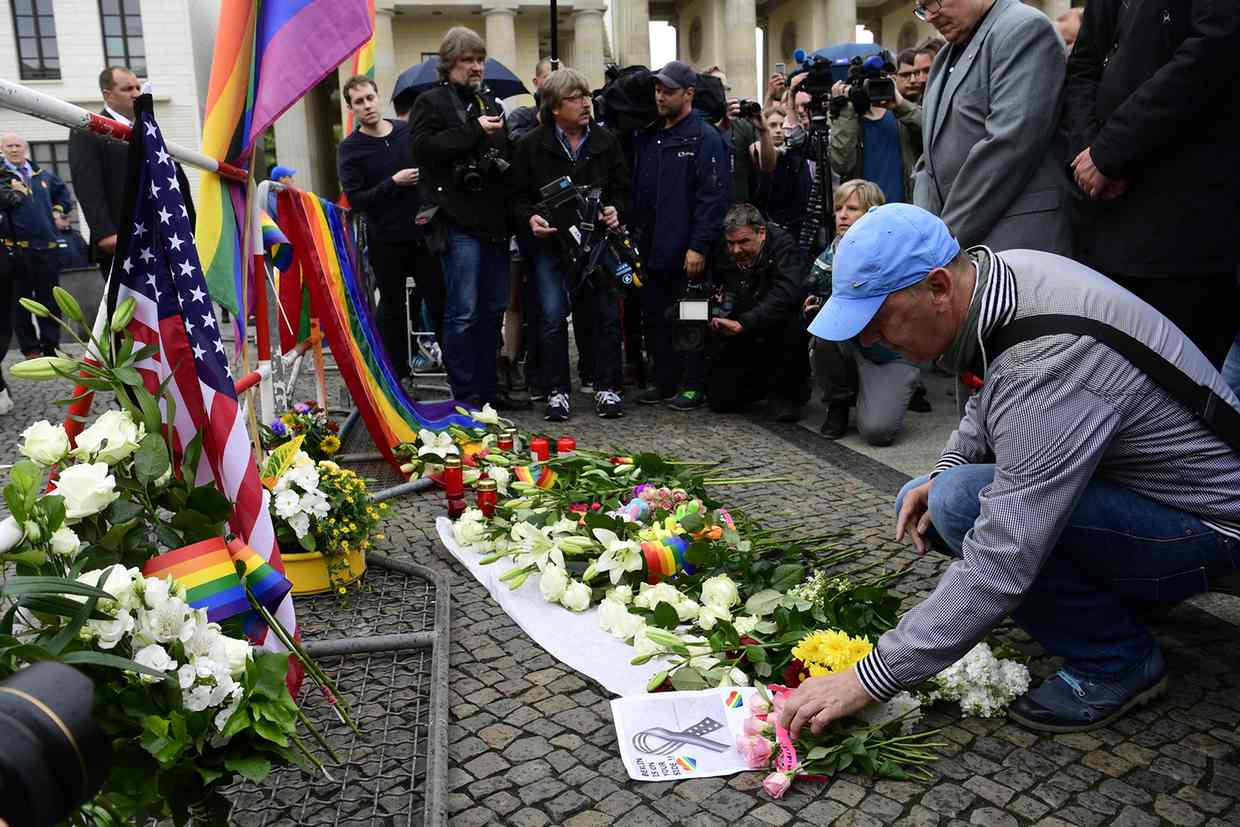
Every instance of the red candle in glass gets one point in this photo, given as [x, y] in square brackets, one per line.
[540, 449]
[565, 445]
[456, 507]
[504, 443]
[453, 477]
[488, 497]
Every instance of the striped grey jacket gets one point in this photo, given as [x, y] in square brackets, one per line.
[1055, 412]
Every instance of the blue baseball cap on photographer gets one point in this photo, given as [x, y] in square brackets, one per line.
[889, 248]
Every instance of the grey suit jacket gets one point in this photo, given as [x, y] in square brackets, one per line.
[993, 169]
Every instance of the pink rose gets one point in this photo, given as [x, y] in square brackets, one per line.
[759, 705]
[776, 784]
[755, 750]
[755, 726]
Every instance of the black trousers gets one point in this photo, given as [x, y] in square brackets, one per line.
[736, 371]
[583, 332]
[392, 263]
[8, 269]
[659, 292]
[1203, 307]
[36, 274]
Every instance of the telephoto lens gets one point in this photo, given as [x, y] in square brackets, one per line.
[53, 757]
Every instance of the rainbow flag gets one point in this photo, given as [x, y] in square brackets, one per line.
[539, 475]
[275, 243]
[363, 64]
[268, 54]
[267, 585]
[686, 762]
[325, 257]
[206, 570]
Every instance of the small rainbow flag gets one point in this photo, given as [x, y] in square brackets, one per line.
[206, 570]
[735, 700]
[686, 762]
[268, 585]
[539, 475]
[275, 243]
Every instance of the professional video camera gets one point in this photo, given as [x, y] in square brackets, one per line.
[869, 84]
[471, 175]
[53, 757]
[590, 247]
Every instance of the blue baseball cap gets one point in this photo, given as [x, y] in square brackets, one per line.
[889, 248]
[279, 172]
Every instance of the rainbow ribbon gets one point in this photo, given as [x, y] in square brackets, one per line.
[664, 558]
[539, 475]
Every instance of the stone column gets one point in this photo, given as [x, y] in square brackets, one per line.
[839, 21]
[501, 32]
[740, 20]
[588, 36]
[1054, 8]
[631, 26]
[386, 69]
[294, 144]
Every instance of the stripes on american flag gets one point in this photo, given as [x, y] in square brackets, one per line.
[162, 273]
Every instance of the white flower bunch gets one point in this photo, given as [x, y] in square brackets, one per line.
[110, 438]
[818, 589]
[297, 495]
[557, 587]
[44, 443]
[649, 596]
[983, 684]
[615, 619]
[469, 531]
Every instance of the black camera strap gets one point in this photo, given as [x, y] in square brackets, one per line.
[1219, 416]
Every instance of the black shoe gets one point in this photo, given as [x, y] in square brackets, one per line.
[836, 423]
[557, 408]
[1069, 703]
[786, 410]
[654, 396]
[687, 401]
[919, 403]
[503, 373]
[504, 402]
[607, 405]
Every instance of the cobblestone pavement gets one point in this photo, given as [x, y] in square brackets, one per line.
[532, 743]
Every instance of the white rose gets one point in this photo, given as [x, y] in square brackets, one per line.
[233, 653]
[65, 542]
[45, 443]
[687, 610]
[117, 583]
[87, 488]
[197, 699]
[710, 615]
[553, 583]
[622, 594]
[745, 624]
[111, 438]
[720, 592]
[154, 657]
[628, 626]
[576, 597]
[11, 533]
[110, 632]
[610, 615]
[502, 477]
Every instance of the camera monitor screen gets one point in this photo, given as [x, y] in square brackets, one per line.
[694, 311]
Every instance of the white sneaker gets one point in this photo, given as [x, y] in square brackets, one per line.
[6, 402]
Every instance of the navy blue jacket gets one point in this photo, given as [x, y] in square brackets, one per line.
[32, 218]
[683, 187]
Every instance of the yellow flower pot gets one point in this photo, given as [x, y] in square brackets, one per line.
[307, 571]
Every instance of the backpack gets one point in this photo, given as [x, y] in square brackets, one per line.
[710, 98]
[625, 104]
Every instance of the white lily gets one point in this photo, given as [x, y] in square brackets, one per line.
[619, 556]
[441, 444]
[536, 545]
[487, 416]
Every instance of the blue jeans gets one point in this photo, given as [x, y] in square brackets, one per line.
[553, 306]
[1231, 367]
[1119, 552]
[475, 276]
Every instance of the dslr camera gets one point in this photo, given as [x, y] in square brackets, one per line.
[749, 109]
[869, 84]
[471, 175]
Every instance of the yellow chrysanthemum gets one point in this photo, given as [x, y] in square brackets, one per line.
[330, 445]
[829, 650]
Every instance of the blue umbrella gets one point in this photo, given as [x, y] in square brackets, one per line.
[417, 79]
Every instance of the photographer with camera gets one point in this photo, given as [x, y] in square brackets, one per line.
[755, 342]
[682, 187]
[567, 144]
[461, 146]
[745, 131]
[875, 132]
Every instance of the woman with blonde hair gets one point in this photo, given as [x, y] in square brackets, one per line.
[878, 381]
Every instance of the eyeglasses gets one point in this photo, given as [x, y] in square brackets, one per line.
[573, 98]
[923, 10]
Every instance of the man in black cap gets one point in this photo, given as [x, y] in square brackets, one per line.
[683, 187]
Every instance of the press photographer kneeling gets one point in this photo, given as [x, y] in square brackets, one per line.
[755, 344]
[556, 167]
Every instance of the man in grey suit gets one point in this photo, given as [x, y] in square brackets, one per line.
[993, 169]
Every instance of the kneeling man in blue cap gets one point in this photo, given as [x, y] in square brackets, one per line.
[1096, 473]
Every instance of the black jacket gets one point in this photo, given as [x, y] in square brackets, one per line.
[521, 121]
[1151, 89]
[365, 165]
[768, 294]
[446, 133]
[539, 159]
[98, 167]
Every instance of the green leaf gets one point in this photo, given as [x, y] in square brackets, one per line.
[256, 768]
[208, 774]
[208, 500]
[124, 511]
[151, 458]
[164, 738]
[844, 762]
[144, 352]
[150, 409]
[817, 753]
[69, 633]
[688, 680]
[656, 680]
[41, 584]
[86, 658]
[53, 506]
[271, 732]
[16, 501]
[693, 523]
[763, 602]
[129, 376]
[167, 536]
[665, 615]
[755, 654]
[786, 576]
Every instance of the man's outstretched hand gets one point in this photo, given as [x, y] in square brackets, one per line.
[914, 517]
[823, 699]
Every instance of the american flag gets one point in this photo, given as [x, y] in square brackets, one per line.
[161, 271]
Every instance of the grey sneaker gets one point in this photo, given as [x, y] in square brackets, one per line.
[557, 408]
[1067, 703]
